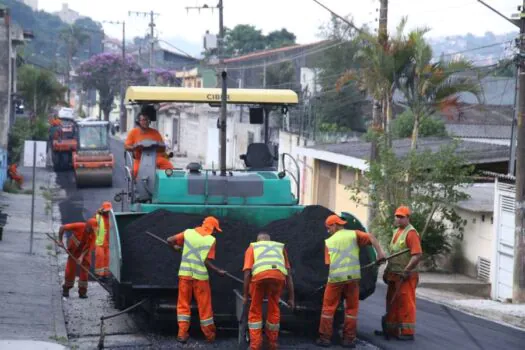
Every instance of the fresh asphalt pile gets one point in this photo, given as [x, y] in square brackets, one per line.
[147, 261]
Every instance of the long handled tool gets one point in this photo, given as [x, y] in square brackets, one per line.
[79, 263]
[103, 318]
[226, 273]
[369, 265]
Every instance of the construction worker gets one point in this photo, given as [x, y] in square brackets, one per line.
[266, 270]
[102, 242]
[198, 248]
[13, 174]
[81, 244]
[144, 132]
[342, 256]
[402, 278]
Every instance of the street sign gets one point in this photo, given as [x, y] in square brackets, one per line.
[41, 153]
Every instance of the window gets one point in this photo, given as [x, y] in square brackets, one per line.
[93, 137]
[347, 176]
[251, 137]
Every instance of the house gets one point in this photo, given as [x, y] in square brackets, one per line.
[11, 36]
[165, 56]
[197, 77]
[336, 166]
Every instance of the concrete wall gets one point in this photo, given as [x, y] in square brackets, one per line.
[5, 80]
[477, 240]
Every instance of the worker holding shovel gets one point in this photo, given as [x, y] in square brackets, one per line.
[342, 255]
[198, 248]
[402, 278]
[266, 271]
[81, 244]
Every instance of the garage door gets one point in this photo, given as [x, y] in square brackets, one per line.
[504, 245]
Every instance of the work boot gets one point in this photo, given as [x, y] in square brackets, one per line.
[323, 342]
[65, 292]
[183, 340]
[405, 337]
[82, 293]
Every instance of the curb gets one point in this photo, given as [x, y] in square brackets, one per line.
[496, 317]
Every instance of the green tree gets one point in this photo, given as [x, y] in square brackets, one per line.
[341, 107]
[403, 126]
[437, 180]
[103, 73]
[381, 67]
[430, 87]
[39, 89]
[281, 76]
[243, 39]
[279, 38]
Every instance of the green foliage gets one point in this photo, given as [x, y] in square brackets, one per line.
[339, 107]
[39, 88]
[506, 68]
[403, 126]
[245, 38]
[435, 186]
[25, 129]
[281, 76]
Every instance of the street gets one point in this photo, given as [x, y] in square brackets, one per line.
[438, 327]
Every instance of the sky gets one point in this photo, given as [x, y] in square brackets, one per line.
[302, 17]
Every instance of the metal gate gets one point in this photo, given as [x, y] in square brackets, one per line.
[503, 260]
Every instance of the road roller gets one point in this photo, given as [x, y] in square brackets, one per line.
[93, 162]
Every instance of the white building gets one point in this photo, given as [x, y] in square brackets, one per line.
[67, 15]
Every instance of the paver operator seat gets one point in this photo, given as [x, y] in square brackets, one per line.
[259, 158]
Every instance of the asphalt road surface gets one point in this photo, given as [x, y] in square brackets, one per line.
[438, 327]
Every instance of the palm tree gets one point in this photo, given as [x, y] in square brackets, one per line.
[382, 66]
[430, 87]
[74, 37]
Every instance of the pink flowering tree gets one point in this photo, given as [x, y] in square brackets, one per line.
[104, 72]
[163, 77]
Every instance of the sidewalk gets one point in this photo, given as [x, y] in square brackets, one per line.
[29, 285]
[464, 293]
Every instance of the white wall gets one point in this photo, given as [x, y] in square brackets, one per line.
[477, 239]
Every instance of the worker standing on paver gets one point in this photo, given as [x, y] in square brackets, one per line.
[81, 244]
[12, 172]
[102, 242]
[266, 271]
[402, 278]
[144, 132]
[342, 255]
[198, 248]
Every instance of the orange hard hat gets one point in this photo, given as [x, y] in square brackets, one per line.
[92, 222]
[211, 222]
[403, 211]
[333, 220]
[107, 206]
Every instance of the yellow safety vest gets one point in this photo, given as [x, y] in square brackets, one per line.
[194, 253]
[101, 230]
[268, 255]
[399, 263]
[344, 256]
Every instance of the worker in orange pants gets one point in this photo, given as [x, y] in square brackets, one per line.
[342, 255]
[15, 176]
[144, 132]
[102, 242]
[266, 270]
[198, 248]
[402, 278]
[81, 244]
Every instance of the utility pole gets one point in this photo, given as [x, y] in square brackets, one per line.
[518, 289]
[152, 42]
[224, 85]
[123, 80]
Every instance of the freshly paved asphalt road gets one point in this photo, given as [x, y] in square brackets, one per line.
[438, 327]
